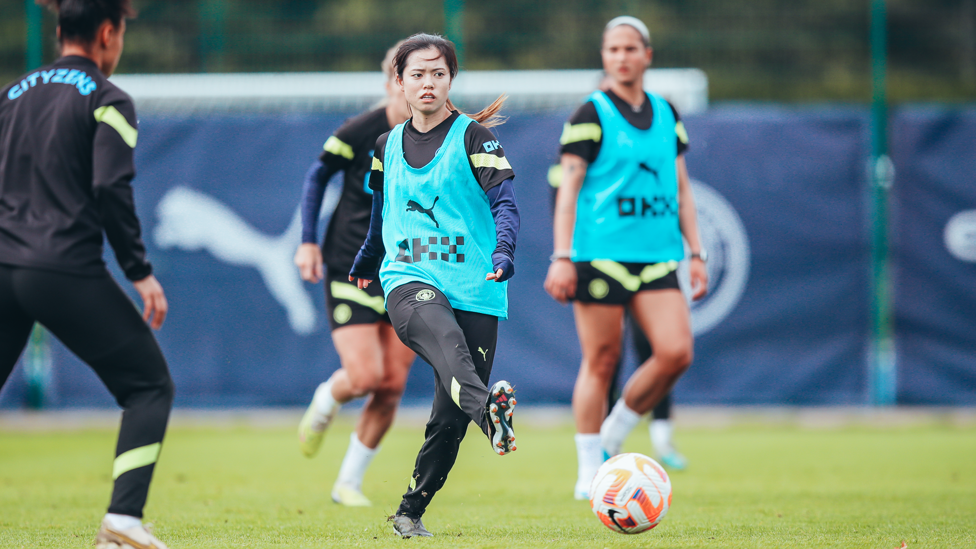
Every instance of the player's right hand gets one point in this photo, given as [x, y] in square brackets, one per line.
[361, 283]
[153, 301]
[308, 259]
[561, 280]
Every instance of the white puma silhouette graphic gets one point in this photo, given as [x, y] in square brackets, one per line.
[192, 221]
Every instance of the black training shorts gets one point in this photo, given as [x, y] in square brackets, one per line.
[613, 283]
[347, 305]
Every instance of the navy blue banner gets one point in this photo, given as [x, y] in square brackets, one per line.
[934, 236]
[796, 178]
[782, 208]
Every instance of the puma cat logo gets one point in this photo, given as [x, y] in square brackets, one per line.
[644, 166]
[414, 206]
[193, 221]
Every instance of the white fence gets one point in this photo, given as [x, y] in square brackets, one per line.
[687, 89]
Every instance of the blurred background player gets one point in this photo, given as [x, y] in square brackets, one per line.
[661, 428]
[374, 361]
[623, 175]
[444, 215]
[66, 164]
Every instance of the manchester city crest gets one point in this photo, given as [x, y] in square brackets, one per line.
[724, 237]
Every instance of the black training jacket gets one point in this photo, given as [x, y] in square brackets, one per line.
[67, 136]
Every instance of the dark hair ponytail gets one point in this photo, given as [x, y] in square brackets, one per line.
[487, 117]
[79, 19]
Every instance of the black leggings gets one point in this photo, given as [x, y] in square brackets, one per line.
[94, 318]
[460, 345]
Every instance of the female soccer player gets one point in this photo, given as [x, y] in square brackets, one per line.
[622, 208]
[374, 361]
[442, 240]
[661, 428]
[66, 163]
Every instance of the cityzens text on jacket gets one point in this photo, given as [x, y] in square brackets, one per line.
[73, 77]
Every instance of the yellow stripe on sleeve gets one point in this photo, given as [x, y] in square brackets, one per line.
[456, 391]
[111, 116]
[484, 160]
[573, 133]
[338, 147]
[679, 129]
[377, 165]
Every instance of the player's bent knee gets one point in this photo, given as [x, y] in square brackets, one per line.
[395, 376]
[457, 428]
[365, 383]
[676, 358]
[455, 422]
[168, 391]
[391, 388]
[386, 401]
[601, 364]
[158, 395]
[136, 368]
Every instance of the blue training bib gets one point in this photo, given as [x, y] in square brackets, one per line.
[627, 208]
[437, 226]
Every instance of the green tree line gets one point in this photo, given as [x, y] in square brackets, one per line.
[780, 50]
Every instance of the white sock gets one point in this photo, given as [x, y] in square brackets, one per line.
[357, 460]
[660, 431]
[617, 426]
[589, 454]
[122, 522]
[325, 403]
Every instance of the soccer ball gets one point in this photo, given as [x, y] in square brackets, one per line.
[630, 493]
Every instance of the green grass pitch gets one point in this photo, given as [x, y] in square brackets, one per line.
[748, 486]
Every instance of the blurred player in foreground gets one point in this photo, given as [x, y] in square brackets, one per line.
[442, 239]
[374, 361]
[621, 210]
[67, 136]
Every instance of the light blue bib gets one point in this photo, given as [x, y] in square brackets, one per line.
[437, 226]
[627, 209]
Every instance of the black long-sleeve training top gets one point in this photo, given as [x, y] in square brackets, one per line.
[67, 137]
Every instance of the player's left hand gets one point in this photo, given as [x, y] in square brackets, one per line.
[699, 278]
[503, 265]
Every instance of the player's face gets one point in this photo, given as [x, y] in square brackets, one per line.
[426, 81]
[624, 56]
